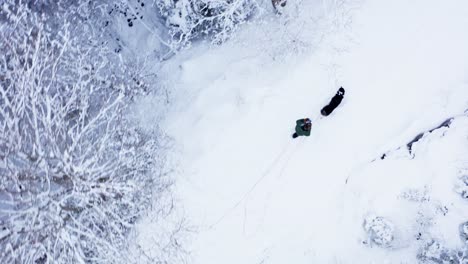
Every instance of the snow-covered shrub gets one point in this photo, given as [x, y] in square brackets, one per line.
[462, 186]
[464, 179]
[416, 195]
[190, 19]
[75, 174]
[461, 257]
[464, 231]
[380, 231]
[434, 252]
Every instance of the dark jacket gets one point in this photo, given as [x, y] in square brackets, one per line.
[334, 103]
[302, 129]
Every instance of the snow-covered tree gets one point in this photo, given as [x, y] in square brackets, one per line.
[75, 174]
[189, 19]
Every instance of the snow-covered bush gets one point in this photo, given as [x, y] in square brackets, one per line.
[461, 257]
[189, 19]
[75, 174]
[380, 231]
[462, 187]
[464, 231]
[416, 195]
[434, 252]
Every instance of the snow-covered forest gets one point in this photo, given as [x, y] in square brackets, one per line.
[159, 131]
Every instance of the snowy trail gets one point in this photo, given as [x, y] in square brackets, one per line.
[285, 152]
[259, 197]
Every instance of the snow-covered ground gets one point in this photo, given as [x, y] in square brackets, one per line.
[257, 196]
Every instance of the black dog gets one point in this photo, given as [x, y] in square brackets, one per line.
[334, 103]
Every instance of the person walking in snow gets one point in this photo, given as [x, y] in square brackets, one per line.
[334, 103]
[303, 127]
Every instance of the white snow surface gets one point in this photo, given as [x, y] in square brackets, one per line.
[255, 195]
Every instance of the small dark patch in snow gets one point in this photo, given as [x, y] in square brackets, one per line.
[443, 210]
[464, 194]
